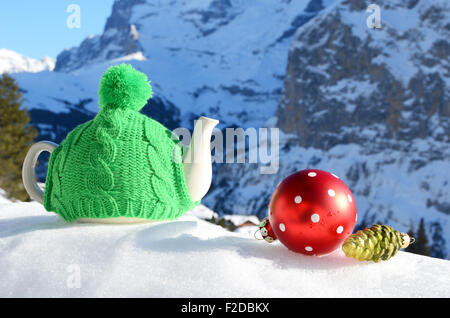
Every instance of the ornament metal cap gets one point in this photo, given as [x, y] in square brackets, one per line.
[265, 229]
[407, 240]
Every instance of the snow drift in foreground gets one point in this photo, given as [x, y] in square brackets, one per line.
[42, 256]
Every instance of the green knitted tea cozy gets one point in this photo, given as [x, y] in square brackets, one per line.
[120, 164]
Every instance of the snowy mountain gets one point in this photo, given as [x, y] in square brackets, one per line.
[223, 58]
[42, 256]
[376, 85]
[370, 105]
[13, 62]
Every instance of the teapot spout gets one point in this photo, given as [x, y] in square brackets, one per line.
[197, 164]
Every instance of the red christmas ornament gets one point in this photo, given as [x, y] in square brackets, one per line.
[312, 212]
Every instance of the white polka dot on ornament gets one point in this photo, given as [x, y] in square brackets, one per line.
[308, 248]
[315, 218]
[298, 199]
[312, 174]
[282, 227]
[331, 192]
[340, 229]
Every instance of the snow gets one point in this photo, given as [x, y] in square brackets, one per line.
[347, 91]
[138, 56]
[13, 62]
[202, 212]
[43, 256]
[403, 36]
[238, 219]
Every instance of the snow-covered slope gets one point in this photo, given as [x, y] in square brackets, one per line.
[41, 256]
[13, 62]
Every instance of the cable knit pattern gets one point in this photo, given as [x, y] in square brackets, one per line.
[100, 178]
[118, 165]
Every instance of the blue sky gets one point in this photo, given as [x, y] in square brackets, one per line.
[38, 28]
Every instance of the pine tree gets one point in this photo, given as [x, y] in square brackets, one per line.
[16, 136]
[421, 241]
[438, 248]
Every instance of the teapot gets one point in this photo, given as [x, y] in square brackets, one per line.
[122, 166]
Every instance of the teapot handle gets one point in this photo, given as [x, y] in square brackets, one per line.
[28, 169]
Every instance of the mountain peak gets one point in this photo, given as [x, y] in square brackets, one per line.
[13, 62]
[119, 38]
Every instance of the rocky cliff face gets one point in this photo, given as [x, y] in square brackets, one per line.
[344, 80]
[384, 89]
[119, 38]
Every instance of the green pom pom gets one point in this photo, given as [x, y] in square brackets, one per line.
[124, 87]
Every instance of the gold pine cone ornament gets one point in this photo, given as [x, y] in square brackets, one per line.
[379, 242]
